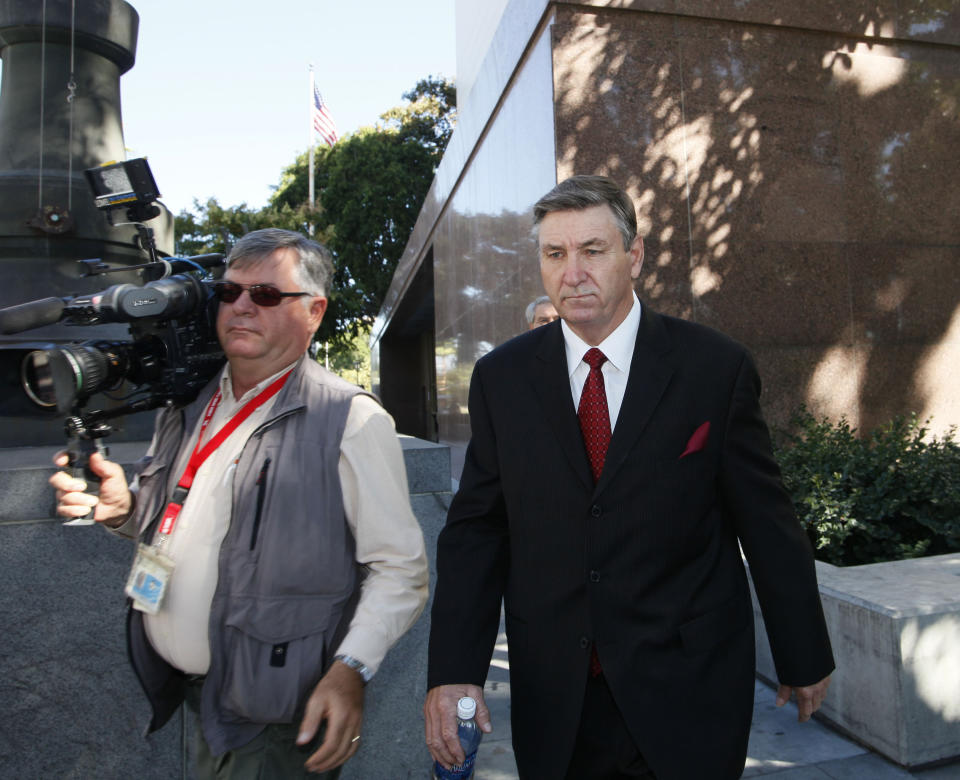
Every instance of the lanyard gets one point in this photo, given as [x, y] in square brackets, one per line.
[199, 455]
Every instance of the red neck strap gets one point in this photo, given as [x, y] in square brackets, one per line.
[200, 455]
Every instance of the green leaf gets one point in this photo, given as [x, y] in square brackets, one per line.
[889, 494]
[369, 190]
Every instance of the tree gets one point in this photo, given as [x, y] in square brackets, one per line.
[215, 228]
[370, 187]
[430, 116]
[351, 359]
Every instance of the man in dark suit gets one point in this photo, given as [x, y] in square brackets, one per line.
[617, 551]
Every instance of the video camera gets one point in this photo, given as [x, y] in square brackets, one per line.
[173, 351]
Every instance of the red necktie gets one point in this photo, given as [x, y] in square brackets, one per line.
[593, 412]
[595, 426]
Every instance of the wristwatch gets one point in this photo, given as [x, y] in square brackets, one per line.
[358, 666]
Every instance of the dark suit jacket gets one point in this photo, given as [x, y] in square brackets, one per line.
[645, 564]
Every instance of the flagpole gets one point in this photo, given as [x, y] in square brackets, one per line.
[310, 156]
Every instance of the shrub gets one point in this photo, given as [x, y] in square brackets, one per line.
[889, 495]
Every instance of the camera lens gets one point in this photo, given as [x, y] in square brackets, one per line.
[36, 376]
[59, 377]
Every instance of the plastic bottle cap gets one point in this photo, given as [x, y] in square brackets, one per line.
[466, 708]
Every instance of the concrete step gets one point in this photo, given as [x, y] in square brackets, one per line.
[25, 471]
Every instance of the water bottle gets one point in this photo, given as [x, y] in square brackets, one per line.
[470, 735]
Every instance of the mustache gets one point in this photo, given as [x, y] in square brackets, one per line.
[577, 293]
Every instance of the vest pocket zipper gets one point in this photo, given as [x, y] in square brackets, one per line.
[261, 494]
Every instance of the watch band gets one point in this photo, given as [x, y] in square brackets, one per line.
[357, 665]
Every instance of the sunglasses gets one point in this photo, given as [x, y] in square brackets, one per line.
[260, 294]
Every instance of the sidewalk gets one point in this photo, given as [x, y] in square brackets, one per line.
[779, 747]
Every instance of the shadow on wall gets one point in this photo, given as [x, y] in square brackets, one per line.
[794, 188]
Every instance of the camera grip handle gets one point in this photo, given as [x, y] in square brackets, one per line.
[79, 450]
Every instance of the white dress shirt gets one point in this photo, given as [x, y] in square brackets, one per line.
[618, 347]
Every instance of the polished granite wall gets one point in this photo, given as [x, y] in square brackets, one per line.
[476, 24]
[792, 166]
[485, 259]
[795, 186]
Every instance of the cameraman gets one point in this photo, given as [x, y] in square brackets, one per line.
[278, 556]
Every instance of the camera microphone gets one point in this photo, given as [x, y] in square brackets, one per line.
[26, 316]
[180, 265]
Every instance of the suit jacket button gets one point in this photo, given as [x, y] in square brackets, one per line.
[594, 576]
[584, 642]
[595, 511]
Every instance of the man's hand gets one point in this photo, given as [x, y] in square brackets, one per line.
[809, 697]
[114, 503]
[337, 699]
[440, 713]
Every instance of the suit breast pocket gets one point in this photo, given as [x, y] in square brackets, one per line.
[685, 486]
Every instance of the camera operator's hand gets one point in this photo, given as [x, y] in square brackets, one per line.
[114, 503]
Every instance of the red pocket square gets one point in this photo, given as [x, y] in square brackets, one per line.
[698, 441]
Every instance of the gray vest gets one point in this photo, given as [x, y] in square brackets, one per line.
[287, 581]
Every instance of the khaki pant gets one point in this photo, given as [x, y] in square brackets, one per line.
[271, 755]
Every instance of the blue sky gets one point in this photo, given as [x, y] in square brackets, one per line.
[218, 98]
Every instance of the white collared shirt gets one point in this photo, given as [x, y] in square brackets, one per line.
[389, 542]
[618, 347]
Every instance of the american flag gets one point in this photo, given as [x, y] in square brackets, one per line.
[323, 123]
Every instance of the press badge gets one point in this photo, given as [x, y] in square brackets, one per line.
[147, 583]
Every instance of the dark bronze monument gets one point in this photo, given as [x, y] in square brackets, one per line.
[60, 115]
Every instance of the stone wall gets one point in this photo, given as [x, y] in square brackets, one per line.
[792, 165]
[895, 629]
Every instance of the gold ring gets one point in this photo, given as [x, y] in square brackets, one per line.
[354, 739]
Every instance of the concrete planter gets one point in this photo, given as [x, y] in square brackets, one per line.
[895, 629]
